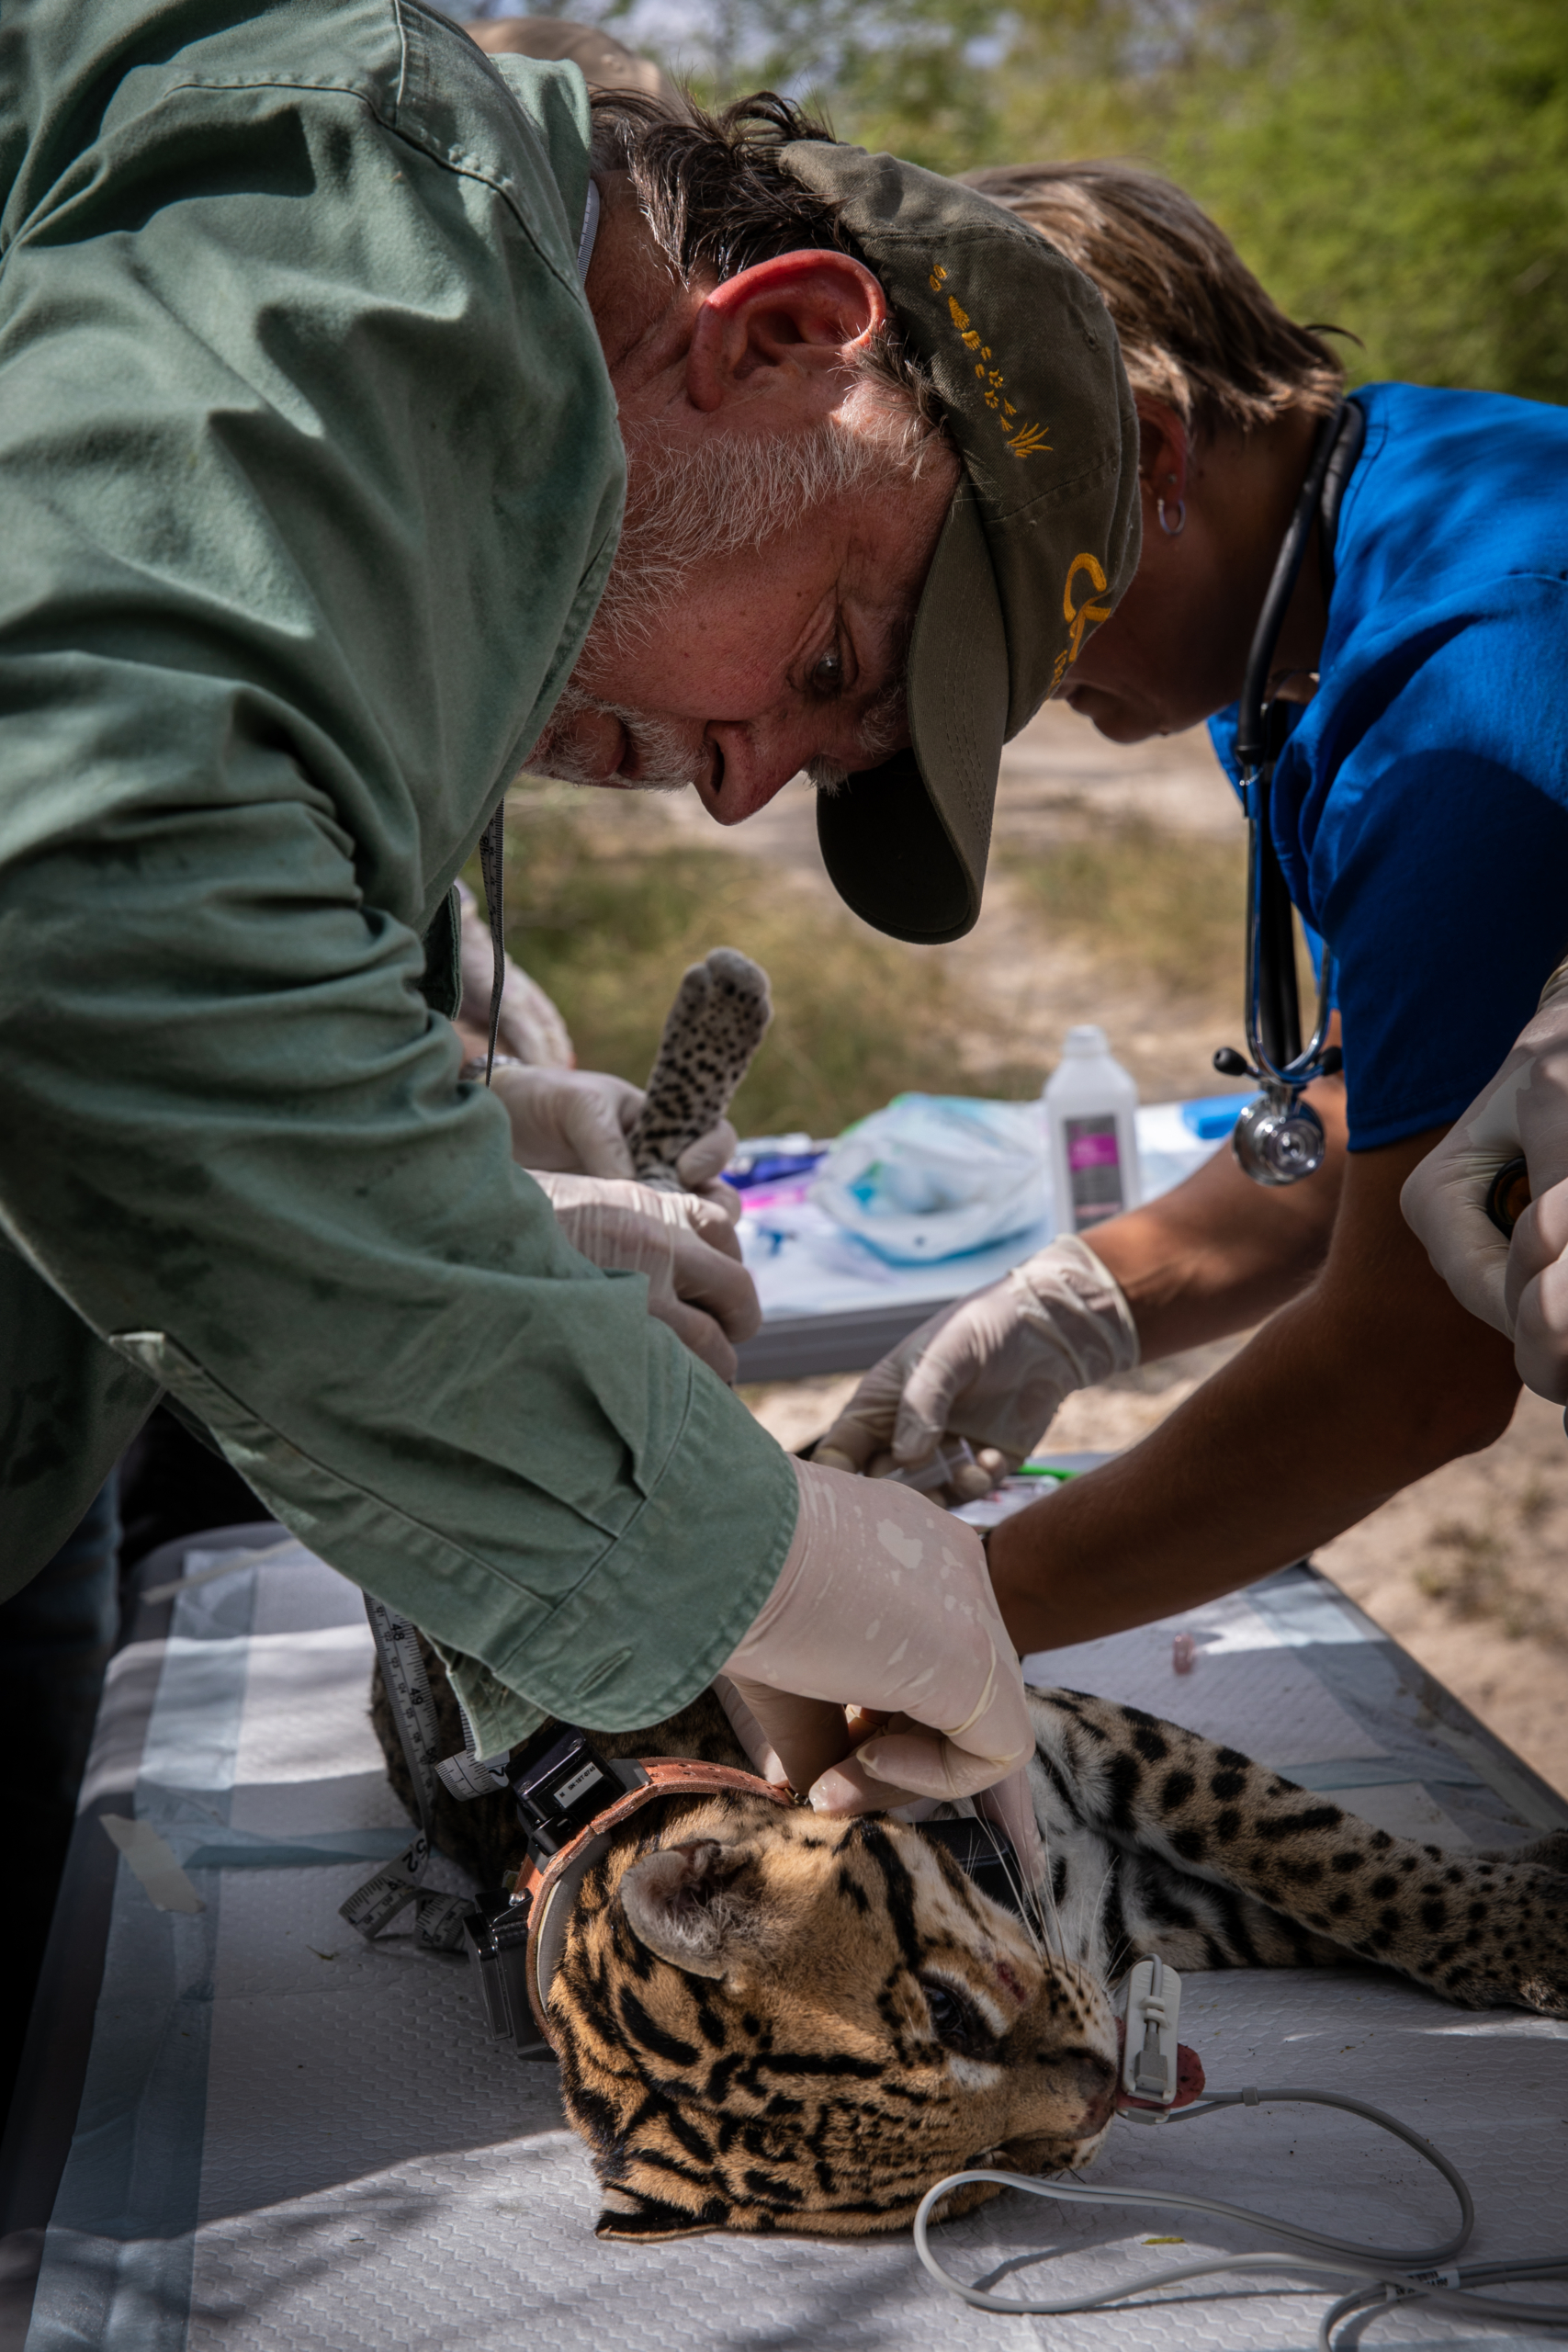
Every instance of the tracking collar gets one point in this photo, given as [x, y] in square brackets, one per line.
[570, 1801]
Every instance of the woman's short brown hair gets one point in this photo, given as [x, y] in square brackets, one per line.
[1198, 331]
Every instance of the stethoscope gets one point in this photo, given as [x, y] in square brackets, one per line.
[1278, 1139]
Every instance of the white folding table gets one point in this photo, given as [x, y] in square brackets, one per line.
[242, 2130]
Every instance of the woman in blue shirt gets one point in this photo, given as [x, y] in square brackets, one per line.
[1420, 812]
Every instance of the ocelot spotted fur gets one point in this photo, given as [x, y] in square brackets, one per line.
[772, 2021]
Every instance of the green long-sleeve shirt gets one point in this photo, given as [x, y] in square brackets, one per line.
[309, 482]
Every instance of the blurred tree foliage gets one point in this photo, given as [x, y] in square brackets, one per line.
[1399, 169]
[914, 72]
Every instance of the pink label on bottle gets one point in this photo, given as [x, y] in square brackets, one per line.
[1092, 1151]
[1094, 1171]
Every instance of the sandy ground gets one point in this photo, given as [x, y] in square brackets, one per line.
[1466, 1568]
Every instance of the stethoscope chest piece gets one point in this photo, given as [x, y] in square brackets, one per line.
[1508, 1194]
[1278, 1141]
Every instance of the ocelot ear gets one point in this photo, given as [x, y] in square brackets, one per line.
[682, 1902]
[647, 2220]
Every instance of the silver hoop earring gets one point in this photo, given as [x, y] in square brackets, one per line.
[1172, 530]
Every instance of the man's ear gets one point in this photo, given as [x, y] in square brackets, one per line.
[788, 323]
[681, 1903]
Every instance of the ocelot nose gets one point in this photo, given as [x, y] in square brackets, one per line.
[1087, 2084]
[1099, 2102]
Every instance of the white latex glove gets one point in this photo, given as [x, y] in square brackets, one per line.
[884, 1603]
[1520, 1287]
[568, 1120]
[531, 1026]
[686, 1246]
[1536, 1294]
[992, 1368]
[577, 1122]
[808, 1739]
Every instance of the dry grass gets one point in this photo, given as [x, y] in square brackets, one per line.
[607, 907]
[1154, 910]
[1166, 908]
[608, 916]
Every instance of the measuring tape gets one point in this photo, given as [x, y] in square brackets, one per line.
[371, 1908]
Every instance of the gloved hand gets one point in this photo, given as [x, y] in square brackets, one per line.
[1519, 1287]
[687, 1247]
[992, 1368]
[578, 1121]
[530, 1027]
[883, 1603]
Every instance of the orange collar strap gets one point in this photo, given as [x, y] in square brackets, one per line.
[550, 1893]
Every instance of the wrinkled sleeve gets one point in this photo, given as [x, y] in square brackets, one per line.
[308, 504]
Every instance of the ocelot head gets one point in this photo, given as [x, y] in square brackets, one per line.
[769, 2021]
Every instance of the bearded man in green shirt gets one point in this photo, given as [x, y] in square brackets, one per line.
[331, 352]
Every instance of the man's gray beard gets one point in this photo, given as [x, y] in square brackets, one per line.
[715, 497]
[662, 747]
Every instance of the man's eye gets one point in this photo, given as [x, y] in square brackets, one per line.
[827, 672]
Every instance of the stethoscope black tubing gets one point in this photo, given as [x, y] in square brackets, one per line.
[1259, 736]
[1278, 997]
[1251, 743]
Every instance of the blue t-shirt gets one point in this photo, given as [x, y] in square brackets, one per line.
[1420, 805]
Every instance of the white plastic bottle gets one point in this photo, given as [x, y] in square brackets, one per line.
[1091, 1104]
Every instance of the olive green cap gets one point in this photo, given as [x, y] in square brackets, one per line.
[1041, 539]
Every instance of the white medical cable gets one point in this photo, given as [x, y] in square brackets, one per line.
[1464, 2277]
[1393, 2274]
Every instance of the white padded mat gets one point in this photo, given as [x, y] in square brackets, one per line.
[1248, 1685]
[292, 2142]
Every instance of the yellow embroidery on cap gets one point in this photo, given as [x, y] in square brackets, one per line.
[1082, 617]
[966, 335]
[1024, 439]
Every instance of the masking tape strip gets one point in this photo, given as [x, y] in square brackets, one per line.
[233, 1849]
[230, 1562]
[167, 1887]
